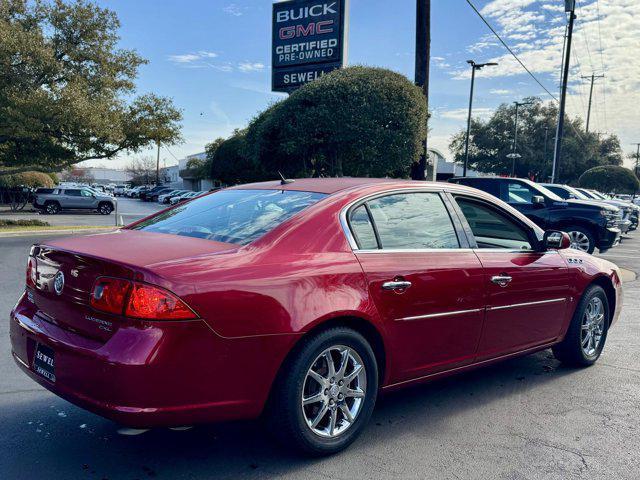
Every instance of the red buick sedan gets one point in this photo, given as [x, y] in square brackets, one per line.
[302, 300]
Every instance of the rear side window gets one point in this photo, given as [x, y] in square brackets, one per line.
[413, 221]
[231, 216]
[363, 229]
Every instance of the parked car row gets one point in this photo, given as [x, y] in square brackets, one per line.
[590, 218]
[161, 194]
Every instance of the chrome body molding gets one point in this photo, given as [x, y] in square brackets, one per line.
[528, 304]
[441, 314]
[476, 310]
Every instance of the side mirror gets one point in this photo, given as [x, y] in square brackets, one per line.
[538, 200]
[555, 240]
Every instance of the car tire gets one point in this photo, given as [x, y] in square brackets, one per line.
[292, 421]
[581, 238]
[52, 208]
[587, 333]
[105, 208]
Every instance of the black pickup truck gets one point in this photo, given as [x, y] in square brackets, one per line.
[590, 225]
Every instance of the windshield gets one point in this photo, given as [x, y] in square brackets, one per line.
[231, 216]
[546, 192]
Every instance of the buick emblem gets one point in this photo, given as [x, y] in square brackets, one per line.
[58, 282]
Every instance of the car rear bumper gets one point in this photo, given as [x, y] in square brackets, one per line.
[158, 374]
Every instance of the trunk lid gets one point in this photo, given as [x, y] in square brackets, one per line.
[68, 268]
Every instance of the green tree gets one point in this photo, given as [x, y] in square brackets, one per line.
[610, 179]
[359, 121]
[67, 90]
[15, 188]
[230, 164]
[492, 140]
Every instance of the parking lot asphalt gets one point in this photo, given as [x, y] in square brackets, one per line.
[527, 418]
[130, 209]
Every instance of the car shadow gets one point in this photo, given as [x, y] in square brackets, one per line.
[46, 437]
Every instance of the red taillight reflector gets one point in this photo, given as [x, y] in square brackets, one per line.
[110, 294]
[153, 303]
[31, 272]
[138, 300]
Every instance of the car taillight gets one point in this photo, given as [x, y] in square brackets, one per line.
[110, 294]
[153, 303]
[31, 272]
[138, 300]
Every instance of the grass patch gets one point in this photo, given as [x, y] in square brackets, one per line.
[22, 223]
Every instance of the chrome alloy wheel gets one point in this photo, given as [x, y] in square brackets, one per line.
[334, 391]
[579, 241]
[592, 329]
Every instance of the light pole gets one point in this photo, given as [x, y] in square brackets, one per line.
[570, 8]
[474, 66]
[514, 146]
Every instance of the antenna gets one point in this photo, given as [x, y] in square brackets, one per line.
[283, 180]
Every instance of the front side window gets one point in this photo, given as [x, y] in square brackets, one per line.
[519, 193]
[492, 228]
[231, 216]
[86, 193]
[413, 221]
[72, 193]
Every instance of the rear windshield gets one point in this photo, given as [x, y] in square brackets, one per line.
[231, 216]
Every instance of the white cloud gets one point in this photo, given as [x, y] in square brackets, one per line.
[463, 113]
[251, 66]
[535, 30]
[234, 10]
[500, 91]
[192, 57]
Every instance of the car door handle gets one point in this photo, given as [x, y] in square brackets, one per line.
[502, 280]
[396, 285]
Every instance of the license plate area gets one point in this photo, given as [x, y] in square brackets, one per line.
[44, 363]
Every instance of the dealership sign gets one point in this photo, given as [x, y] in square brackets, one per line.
[309, 40]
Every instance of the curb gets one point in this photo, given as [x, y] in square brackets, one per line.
[627, 275]
[70, 231]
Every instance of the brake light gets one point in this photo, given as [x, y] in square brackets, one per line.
[31, 272]
[153, 303]
[138, 300]
[110, 294]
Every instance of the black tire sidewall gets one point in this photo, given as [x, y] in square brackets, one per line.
[102, 205]
[293, 383]
[54, 205]
[587, 232]
[571, 348]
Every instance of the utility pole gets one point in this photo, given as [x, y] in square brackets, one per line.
[637, 157]
[474, 66]
[593, 78]
[514, 146]
[570, 8]
[158, 166]
[423, 53]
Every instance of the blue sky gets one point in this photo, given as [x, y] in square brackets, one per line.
[213, 58]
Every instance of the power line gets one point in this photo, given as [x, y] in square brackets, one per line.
[509, 49]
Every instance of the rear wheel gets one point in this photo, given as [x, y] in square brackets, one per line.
[52, 208]
[587, 333]
[105, 208]
[581, 239]
[326, 393]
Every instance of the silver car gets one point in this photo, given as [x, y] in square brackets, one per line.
[74, 199]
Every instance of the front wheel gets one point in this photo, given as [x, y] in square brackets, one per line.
[587, 333]
[581, 239]
[325, 395]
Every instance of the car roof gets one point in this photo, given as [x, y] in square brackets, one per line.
[323, 185]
